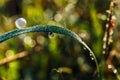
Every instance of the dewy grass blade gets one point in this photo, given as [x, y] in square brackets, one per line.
[48, 28]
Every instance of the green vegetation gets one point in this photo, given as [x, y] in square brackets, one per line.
[36, 52]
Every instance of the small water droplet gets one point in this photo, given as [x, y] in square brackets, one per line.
[20, 23]
[90, 54]
[92, 58]
[51, 34]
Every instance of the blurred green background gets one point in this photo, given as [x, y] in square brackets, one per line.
[53, 57]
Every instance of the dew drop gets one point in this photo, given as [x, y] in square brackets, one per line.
[51, 35]
[92, 58]
[90, 54]
[20, 23]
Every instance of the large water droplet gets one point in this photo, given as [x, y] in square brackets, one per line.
[20, 23]
[51, 34]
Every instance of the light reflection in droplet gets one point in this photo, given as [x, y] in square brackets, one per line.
[90, 54]
[92, 58]
[20, 23]
[51, 35]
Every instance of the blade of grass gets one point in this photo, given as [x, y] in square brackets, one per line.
[48, 28]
